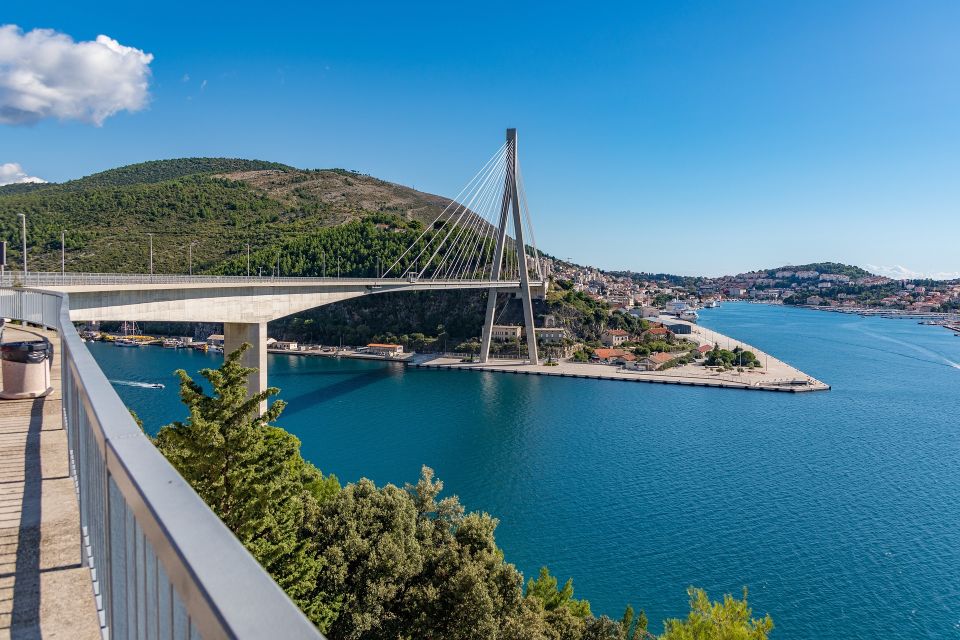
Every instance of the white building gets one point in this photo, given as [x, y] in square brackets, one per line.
[506, 332]
[551, 335]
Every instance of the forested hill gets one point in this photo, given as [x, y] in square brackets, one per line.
[825, 267]
[219, 205]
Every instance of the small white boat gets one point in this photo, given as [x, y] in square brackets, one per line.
[171, 343]
[124, 342]
[689, 315]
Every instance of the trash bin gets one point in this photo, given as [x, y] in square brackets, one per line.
[26, 369]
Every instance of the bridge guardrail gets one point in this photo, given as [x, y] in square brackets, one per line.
[54, 279]
[163, 564]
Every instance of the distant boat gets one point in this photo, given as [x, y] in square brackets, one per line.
[142, 385]
[124, 342]
[171, 343]
[689, 315]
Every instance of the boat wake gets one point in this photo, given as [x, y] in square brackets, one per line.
[940, 358]
[142, 385]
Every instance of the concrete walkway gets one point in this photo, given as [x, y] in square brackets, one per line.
[45, 592]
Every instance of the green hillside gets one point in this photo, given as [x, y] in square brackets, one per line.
[825, 267]
[161, 170]
[219, 205]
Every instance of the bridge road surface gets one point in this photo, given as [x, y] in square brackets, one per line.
[45, 591]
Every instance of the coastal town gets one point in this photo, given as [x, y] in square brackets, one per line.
[824, 286]
[797, 286]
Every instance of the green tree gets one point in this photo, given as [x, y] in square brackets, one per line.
[252, 476]
[728, 620]
[544, 588]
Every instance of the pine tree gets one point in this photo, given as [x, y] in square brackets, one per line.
[252, 476]
[731, 619]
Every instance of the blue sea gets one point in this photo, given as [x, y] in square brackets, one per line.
[839, 510]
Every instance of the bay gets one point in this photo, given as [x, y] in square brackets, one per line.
[839, 510]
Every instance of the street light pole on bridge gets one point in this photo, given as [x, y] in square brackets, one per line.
[23, 237]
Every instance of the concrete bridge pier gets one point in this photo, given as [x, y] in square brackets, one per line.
[234, 335]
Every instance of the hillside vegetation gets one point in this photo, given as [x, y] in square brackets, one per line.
[825, 267]
[217, 204]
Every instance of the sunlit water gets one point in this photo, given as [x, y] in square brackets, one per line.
[839, 510]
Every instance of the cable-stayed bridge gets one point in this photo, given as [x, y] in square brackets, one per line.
[483, 239]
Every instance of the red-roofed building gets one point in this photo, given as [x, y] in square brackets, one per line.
[385, 350]
[608, 356]
[655, 360]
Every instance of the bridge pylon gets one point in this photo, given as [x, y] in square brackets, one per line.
[510, 203]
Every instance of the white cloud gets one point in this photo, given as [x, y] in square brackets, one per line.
[899, 272]
[12, 173]
[203, 85]
[45, 74]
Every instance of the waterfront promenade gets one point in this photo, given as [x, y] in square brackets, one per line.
[775, 375]
[45, 591]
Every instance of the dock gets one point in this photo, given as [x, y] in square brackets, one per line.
[775, 375]
[45, 590]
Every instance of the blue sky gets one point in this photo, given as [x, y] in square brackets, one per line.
[695, 138]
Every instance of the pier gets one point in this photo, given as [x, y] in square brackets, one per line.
[775, 375]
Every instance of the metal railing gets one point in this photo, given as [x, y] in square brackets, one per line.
[55, 279]
[163, 565]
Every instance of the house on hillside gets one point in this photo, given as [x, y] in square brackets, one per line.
[551, 335]
[614, 337]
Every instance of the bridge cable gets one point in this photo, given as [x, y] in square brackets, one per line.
[428, 228]
[454, 224]
[451, 224]
[476, 231]
[529, 222]
[477, 217]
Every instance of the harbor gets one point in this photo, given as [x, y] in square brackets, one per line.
[774, 375]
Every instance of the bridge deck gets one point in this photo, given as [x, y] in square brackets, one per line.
[44, 589]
